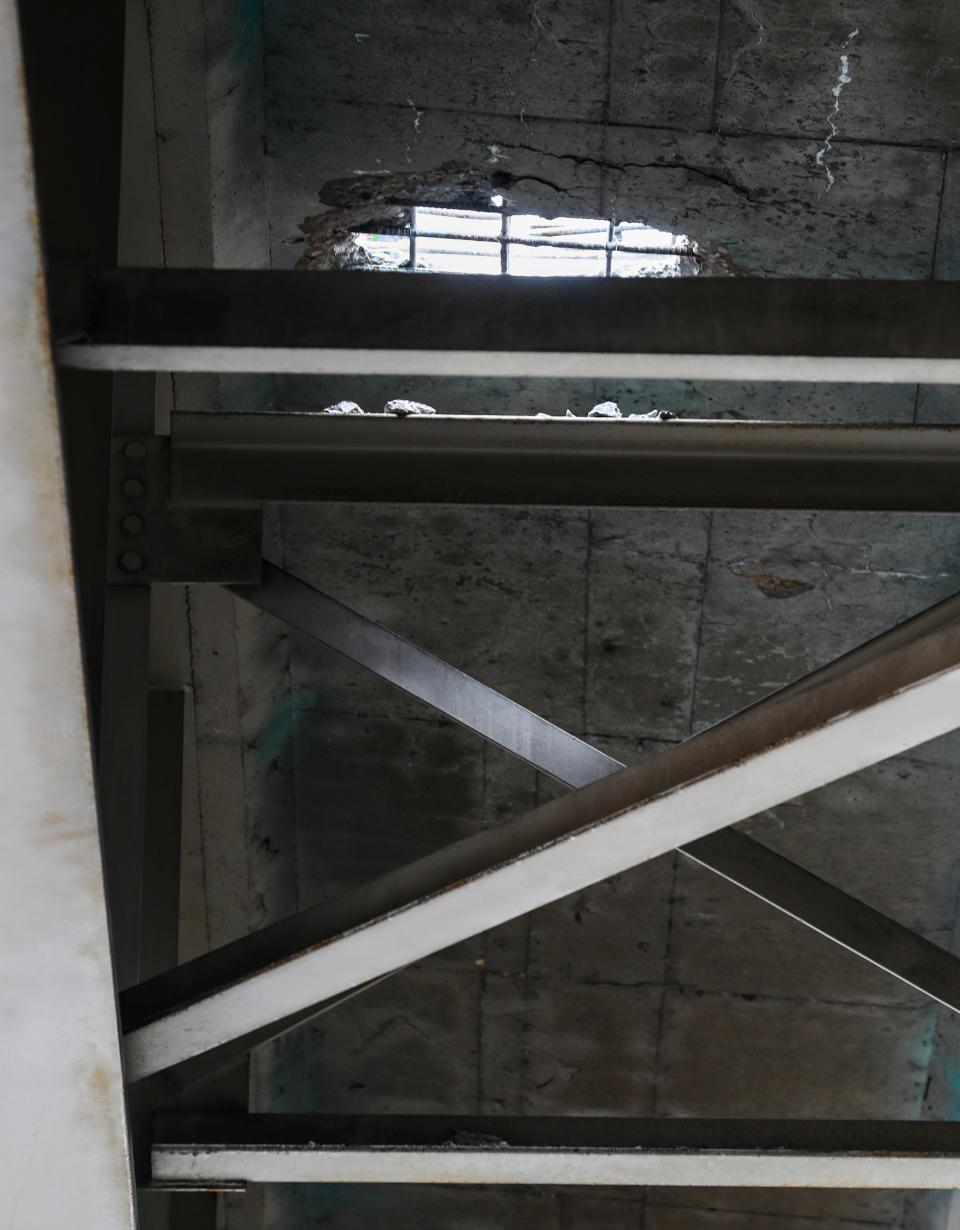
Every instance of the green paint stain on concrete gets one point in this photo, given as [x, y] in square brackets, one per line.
[282, 724]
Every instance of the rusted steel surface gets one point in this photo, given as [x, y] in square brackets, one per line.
[685, 463]
[62, 1104]
[906, 693]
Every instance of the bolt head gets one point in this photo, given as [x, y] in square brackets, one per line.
[131, 561]
[132, 524]
[133, 487]
[134, 450]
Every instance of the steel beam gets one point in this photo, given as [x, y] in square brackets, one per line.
[907, 693]
[62, 1104]
[420, 1149]
[122, 769]
[750, 865]
[455, 325]
[226, 458]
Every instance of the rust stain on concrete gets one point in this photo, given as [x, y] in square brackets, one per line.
[773, 586]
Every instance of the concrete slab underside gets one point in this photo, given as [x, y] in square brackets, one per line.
[664, 991]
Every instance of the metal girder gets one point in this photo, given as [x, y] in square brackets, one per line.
[905, 692]
[61, 1072]
[451, 324]
[225, 458]
[750, 865]
[208, 1151]
[153, 539]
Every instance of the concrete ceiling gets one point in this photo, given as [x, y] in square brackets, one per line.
[665, 991]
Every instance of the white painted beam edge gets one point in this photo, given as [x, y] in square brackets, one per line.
[544, 1166]
[385, 362]
[854, 740]
[63, 1141]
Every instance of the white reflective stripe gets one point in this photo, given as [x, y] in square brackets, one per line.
[626, 1167]
[596, 365]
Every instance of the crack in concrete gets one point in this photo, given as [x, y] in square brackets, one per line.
[539, 179]
[843, 79]
[725, 181]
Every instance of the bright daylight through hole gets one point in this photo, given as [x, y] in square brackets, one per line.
[493, 241]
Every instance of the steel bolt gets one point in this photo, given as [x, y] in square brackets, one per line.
[133, 487]
[134, 450]
[131, 561]
[132, 524]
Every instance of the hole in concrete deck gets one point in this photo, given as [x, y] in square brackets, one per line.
[458, 219]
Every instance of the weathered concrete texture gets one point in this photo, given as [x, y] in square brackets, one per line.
[645, 598]
[510, 58]
[406, 1046]
[364, 816]
[722, 939]
[941, 403]
[897, 810]
[884, 835]
[239, 661]
[723, 1055]
[947, 264]
[475, 586]
[744, 195]
[414, 1208]
[570, 1032]
[235, 115]
[239, 200]
[662, 63]
[779, 66]
[614, 933]
[725, 399]
[787, 592]
[661, 1217]
[754, 1206]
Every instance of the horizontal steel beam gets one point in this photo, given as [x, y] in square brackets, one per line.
[450, 324]
[772, 752]
[746, 863]
[225, 458]
[208, 1151]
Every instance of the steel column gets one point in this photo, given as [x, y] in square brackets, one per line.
[450, 324]
[61, 1071]
[772, 752]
